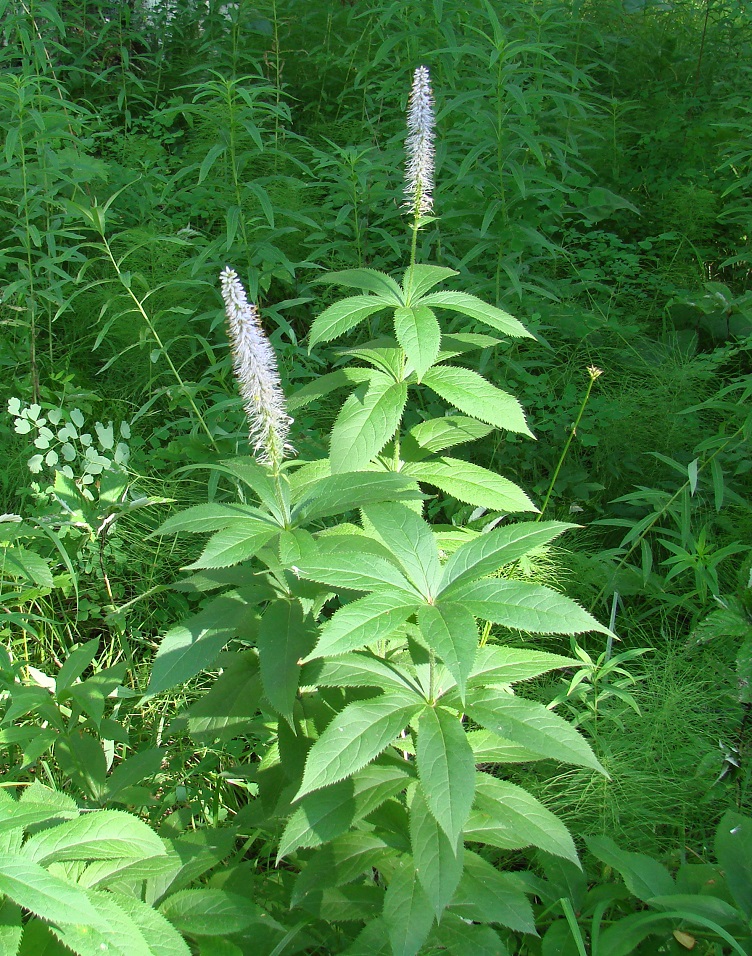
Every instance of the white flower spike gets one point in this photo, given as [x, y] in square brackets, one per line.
[419, 146]
[255, 367]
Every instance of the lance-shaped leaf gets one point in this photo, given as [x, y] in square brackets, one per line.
[336, 494]
[472, 394]
[364, 622]
[525, 607]
[491, 551]
[29, 885]
[438, 861]
[285, 635]
[357, 735]
[439, 433]
[355, 571]
[532, 725]
[365, 424]
[470, 483]
[487, 896]
[209, 912]
[345, 315]
[370, 280]
[475, 308]
[326, 384]
[235, 543]
[408, 914]
[341, 861]
[227, 708]
[418, 332]
[193, 645]
[508, 817]
[419, 279]
[451, 632]
[104, 835]
[355, 670]
[410, 539]
[499, 664]
[212, 516]
[446, 769]
[329, 813]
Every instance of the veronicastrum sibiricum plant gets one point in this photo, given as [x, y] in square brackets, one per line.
[359, 666]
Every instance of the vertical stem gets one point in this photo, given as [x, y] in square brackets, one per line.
[594, 373]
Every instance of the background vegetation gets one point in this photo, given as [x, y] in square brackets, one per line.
[593, 179]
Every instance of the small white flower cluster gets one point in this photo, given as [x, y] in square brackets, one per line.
[419, 145]
[255, 367]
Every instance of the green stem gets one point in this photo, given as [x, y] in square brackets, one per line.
[157, 338]
[565, 450]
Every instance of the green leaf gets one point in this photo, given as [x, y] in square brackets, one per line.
[418, 332]
[525, 607]
[487, 896]
[329, 813]
[623, 936]
[326, 384]
[39, 941]
[446, 769]
[644, 877]
[408, 913]
[352, 570]
[194, 645]
[472, 394]
[410, 539]
[235, 543]
[116, 932]
[226, 709]
[438, 861]
[489, 747]
[164, 939]
[469, 939]
[490, 551]
[354, 670]
[11, 929]
[509, 818]
[470, 483]
[285, 636]
[29, 885]
[497, 664]
[336, 494]
[370, 280]
[476, 308]
[255, 477]
[345, 315]
[436, 434]
[75, 664]
[209, 912]
[451, 632]
[420, 278]
[364, 622]
[103, 835]
[365, 424]
[532, 725]
[733, 850]
[207, 517]
[341, 861]
[357, 735]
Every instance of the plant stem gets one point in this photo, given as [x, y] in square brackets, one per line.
[594, 373]
[157, 338]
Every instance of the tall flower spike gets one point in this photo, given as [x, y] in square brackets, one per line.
[419, 145]
[255, 367]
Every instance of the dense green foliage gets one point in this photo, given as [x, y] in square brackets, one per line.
[469, 673]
